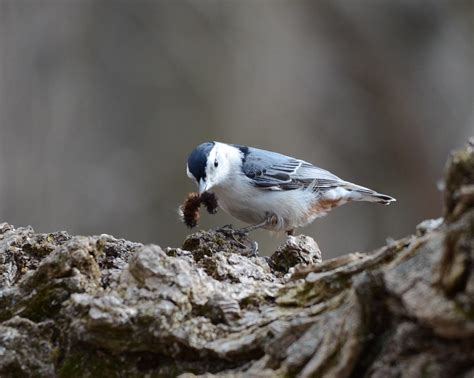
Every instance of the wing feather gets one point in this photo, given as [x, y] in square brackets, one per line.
[273, 171]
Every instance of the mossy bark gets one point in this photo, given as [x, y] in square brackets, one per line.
[98, 306]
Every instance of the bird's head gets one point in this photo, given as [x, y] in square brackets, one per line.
[211, 164]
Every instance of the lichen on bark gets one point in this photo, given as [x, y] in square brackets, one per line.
[99, 306]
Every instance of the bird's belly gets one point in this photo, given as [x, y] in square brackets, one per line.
[253, 206]
[246, 211]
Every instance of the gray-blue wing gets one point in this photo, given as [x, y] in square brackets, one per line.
[274, 171]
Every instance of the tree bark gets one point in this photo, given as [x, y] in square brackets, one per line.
[97, 306]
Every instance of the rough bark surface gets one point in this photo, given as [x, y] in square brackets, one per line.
[98, 306]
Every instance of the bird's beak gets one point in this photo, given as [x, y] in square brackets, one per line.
[202, 186]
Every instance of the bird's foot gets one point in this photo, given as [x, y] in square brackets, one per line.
[271, 219]
[240, 237]
[251, 250]
[246, 230]
[229, 230]
[254, 249]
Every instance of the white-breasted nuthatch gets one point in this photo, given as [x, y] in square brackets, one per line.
[269, 190]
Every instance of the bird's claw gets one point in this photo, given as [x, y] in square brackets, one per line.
[254, 252]
[235, 234]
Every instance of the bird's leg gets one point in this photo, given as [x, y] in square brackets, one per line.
[228, 231]
[271, 219]
[253, 248]
[246, 230]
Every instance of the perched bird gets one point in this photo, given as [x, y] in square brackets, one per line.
[269, 190]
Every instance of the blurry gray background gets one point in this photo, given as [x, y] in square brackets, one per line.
[101, 103]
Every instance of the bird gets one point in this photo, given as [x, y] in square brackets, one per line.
[269, 190]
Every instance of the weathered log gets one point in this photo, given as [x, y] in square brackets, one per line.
[98, 306]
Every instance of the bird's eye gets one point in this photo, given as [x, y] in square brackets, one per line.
[216, 163]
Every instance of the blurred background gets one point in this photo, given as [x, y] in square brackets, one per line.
[101, 103]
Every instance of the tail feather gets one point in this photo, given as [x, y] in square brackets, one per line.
[360, 193]
[382, 198]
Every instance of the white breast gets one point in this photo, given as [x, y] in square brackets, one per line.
[252, 205]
